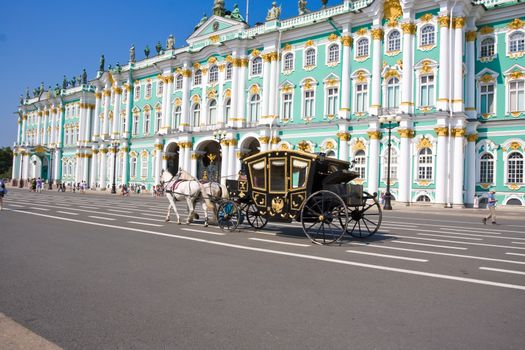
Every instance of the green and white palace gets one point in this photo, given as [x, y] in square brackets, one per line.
[449, 75]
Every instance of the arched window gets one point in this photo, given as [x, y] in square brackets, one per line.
[333, 53]
[487, 47]
[147, 121]
[515, 168]
[178, 82]
[331, 153]
[517, 95]
[197, 115]
[514, 201]
[428, 36]
[425, 164]
[255, 108]
[423, 198]
[362, 47]
[257, 66]
[147, 93]
[486, 169]
[160, 87]
[227, 110]
[360, 163]
[229, 70]
[136, 118]
[213, 76]
[393, 165]
[288, 62]
[517, 42]
[426, 99]
[136, 94]
[309, 57]
[158, 120]
[212, 112]
[197, 79]
[394, 41]
[176, 117]
[392, 93]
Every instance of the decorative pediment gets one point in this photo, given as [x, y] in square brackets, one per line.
[487, 75]
[214, 27]
[515, 72]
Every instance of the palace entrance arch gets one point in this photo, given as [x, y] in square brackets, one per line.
[209, 161]
[250, 146]
[172, 158]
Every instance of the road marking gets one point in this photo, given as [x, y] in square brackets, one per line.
[66, 212]
[120, 211]
[278, 242]
[203, 231]
[41, 209]
[296, 255]
[144, 223]
[101, 218]
[447, 241]
[453, 232]
[387, 256]
[488, 230]
[431, 245]
[517, 242]
[437, 235]
[517, 254]
[16, 205]
[501, 270]
[437, 253]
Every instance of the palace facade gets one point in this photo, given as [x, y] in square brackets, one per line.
[449, 75]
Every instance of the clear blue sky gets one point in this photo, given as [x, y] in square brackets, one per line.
[43, 40]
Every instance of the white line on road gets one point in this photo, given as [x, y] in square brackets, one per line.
[501, 270]
[437, 253]
[66, 212]
[101, 218]
[517, 254]
[517, 242]
[16, 205]
[203, 231]
[458, 242]
[41, 209]
[438, 235]
[144, 223]
[296, 255]
[462, 229]
[488, 230]
[387, 256]
[278, 242]
[120, 210]
[431, 245]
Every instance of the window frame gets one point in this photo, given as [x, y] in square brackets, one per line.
[333, 61]
[425, 164]
[518, 171]
[313, 56]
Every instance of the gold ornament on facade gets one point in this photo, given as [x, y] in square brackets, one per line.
[472, 137]
[204, 71]
[361, 78]
[441, 131]
[347, 41]
[304, 146]
[374, 135]
[245, 62]
[329, 145]
[186, 73]
[513, 187]
[427, 17]
[254, 89]
[444, 21]
[392, 9]
[423, 183]
[308, 84]
[222, 67]
[406, 133]
[486, 30]
[470, 36]
[332, 82]
[196, 65]
[487, 78]
[178, 102]
[212, 60]
[287, 47]
[256, 53]
[359, 145]
[361, 32]
[409, 28]
[228, 93]
[212, 93]
[515, 146]
[426, 67]
[267, 57]
[392, 73]
[309, 43]
[459, 22]
[343, 136]
[516, 75]
[196, 156]
[196, 99]
[378, 34]
[264, 140]
[424, 143]
[159, 146]
[516, 24]
[275, 140]
[332, 37]
[287, 88]
[459, 132]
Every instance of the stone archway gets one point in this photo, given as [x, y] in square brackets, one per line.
[172, 157]
[209, 161]
[35, 170]
[250, 146]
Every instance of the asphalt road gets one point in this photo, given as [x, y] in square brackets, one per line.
[101, 272]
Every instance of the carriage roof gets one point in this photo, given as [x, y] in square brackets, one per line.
[316, 157]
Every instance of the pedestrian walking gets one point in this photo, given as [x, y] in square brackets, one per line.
[491, 205]
[476, 202]
[39, 185]
[3, 192]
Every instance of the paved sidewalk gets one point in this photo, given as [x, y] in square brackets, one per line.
[13, 336]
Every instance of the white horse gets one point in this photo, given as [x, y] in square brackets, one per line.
[180, 187]
[184, 186]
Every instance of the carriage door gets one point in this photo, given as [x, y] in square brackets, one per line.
[299, 175]
[278, 187]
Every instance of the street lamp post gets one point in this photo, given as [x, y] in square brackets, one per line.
[50, 187]
[114, 185]
[389, 122]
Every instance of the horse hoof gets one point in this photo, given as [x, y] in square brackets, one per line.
[167, 220]
[178, 222]
[205, 224]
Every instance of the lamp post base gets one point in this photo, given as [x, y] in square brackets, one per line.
[113, 189]
[388, 201]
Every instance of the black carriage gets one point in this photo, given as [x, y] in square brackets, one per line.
[315, 190]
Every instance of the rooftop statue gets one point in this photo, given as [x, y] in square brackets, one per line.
[236, 14]
[274, 13]
[64, 83]
[170, 43]
[101, 64]
[302, 7]
[158, 47]
[118, 68]
[42, 88]
[147, 51]
[84, 76]
[57, 89]
[27, 93]
[202, 21]
[132, 53]
[73, 81]
[218, 8]
[325, 3]
[21, 100]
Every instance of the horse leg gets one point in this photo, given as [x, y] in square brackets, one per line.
[205, 208]
[191, 211]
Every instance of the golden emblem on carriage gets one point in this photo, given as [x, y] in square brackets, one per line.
[277, 205]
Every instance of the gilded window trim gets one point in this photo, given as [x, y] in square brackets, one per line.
[303, 188]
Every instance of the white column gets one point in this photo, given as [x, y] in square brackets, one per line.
[78, 167]
[377, 63]
[441, 164]
[94, 168]
[373, 161]
[24, 129]
[204, 100]
[168, 86]
[116, 112]
[444, 53]
[459, 166]
[189, 149]
[274, 81]
[158, 160]
[470, 181]
[107, 100]
[470, 102]
[89, 122]
[193, 167]
[231, 163]
[103, 167]
[344, 138]
[61, 116]
[58, 165]
[125, 167]
[267, 72]
[234, 90]
[241, 93]
[52, 135]
[126, 131]
[186, 76]
[25, 166]
[404, 165]
[407, 102]
[15, 174]
[38, 126]
[164, 123]
[458, 100]
[220, 96]
[45, 139]
[96, 122]
[85, 168]
[19, 129]
[225, 160]
[344, 112]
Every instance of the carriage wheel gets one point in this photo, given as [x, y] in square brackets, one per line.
[324, 217]
[364, 220]
[228, 216]
[254, 217]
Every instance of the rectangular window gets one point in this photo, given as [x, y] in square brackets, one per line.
[332, 101]
[309, 97]
[144, 167]
[277, 175]
[487, 98]
[135, 124]
[361, 98]
[299, 173]
[147, 122]
[517, 96]
[287, 107]
[158, 117]
[486, 171]
[137, 92]
[427, 91]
